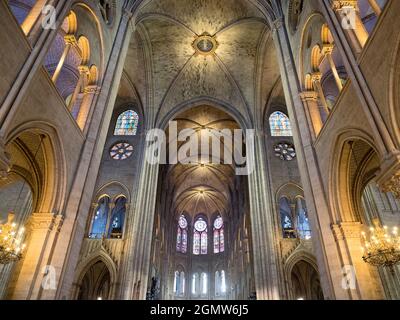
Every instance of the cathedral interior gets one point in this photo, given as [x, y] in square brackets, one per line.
[314, 85]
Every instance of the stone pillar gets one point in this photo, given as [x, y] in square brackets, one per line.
[327, 52]
[310, 101]
[42, 230]
[316, 80]
[83, 76]
[375, 6]
[265, 244]
[67, 249]
[139, 234]
[70, 41]
[89, 95]
[367, 285]
[357, 33]
[326, 251]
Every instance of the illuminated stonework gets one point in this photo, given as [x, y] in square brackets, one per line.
[205, 44]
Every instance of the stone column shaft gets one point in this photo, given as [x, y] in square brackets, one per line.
[375, 6]
[310, 99]
[89, 95]
[66, 252]
[329, 263]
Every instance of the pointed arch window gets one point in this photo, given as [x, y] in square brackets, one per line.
[117, 218]
[195, 283]
[285, 212]
[204, 283]
[100, 218]
[220, 283]
[303, 224]
[219, 241]
[223, 282]
[280, 125]
[182, 236]
[127, 124]
[179, 283]
[200, 238]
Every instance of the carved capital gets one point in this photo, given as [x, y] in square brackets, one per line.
[392, 185]
[388, 178]
[316, 76]
[70, 40]
[277, 24]
[327, 49]
[45, 221]
[307, 96]
[346, 230]
[339, 4]
[92, 90]
[5, 161]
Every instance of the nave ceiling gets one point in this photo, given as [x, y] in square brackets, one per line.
[167, 72]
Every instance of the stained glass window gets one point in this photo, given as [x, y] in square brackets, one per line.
[100, 218]
[219, 245]
[204, 283]
[196, 243]
[303, 225]
[280, 125]
[223, 282]
[195, 280]
[217, 283]
[285, 212]
[200, 238]
[121, 151]
[181, 238]
[179, 283]
[127, 124]
[285, 151]
[117, 219]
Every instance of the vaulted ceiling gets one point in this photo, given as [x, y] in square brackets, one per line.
[168, 73]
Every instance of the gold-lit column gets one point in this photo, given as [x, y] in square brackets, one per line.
[39, 247]
[316, 80]
[375, 6]
[69, 42]
[327, 52]
[83, 76]
[33, 15]
[357, 33]
[88, 96]
[310, 100]
[5, 163]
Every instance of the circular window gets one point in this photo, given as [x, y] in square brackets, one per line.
[183, 222]
[285, 151]
[121, 151]
[218, 223]
[200, 225]
[205, 44]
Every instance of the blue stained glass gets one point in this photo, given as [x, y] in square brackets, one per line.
[303, 224]
[117, 218]
[127, 124]
[280, 125]
[100, 218]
